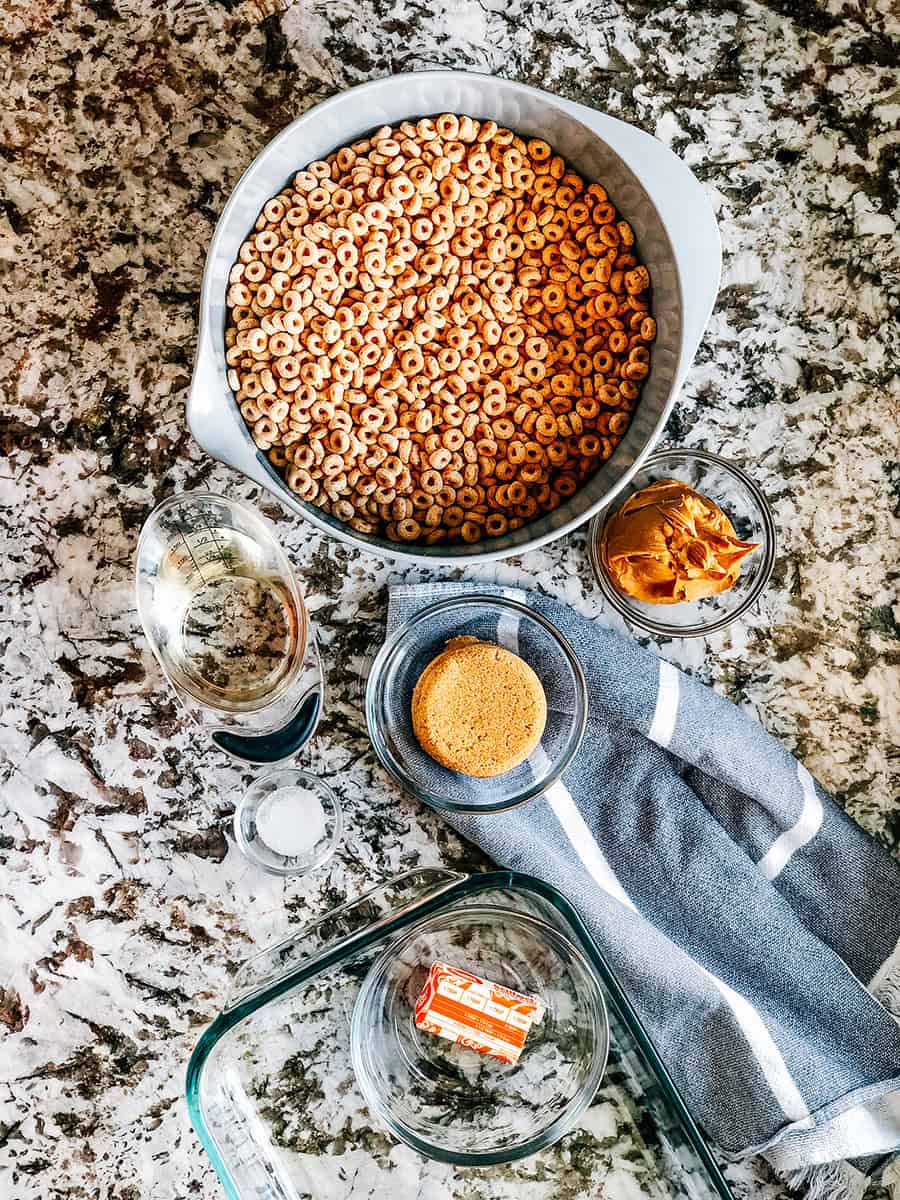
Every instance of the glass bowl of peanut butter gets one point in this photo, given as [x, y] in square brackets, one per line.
[687, 548]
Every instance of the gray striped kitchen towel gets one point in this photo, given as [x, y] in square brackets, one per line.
[753, 924]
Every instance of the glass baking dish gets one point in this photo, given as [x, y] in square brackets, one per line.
[273, 1096]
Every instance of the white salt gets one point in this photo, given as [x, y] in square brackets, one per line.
[291, 821]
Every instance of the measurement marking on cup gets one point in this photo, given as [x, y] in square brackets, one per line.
[217, 554]
[189, 548]
[225, 554]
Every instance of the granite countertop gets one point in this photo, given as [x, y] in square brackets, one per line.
[124, 906]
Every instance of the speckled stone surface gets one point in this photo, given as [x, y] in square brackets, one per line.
[124, 907]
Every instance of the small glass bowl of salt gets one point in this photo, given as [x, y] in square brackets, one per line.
[288, 822]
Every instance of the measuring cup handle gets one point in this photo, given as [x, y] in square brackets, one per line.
[269, 749]
[281, 745]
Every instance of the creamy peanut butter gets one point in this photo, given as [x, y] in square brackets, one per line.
[667, 543]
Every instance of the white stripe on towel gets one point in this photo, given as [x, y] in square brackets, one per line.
[576, 830]
[872, 1128]
[761, 1042]
[663, 725]
[807, 826]
[765, 1051]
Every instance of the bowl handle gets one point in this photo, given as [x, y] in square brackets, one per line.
[214, 421]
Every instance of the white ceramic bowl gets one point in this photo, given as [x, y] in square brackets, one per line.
[652, 189]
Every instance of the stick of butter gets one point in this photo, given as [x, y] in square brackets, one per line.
[475, 1013]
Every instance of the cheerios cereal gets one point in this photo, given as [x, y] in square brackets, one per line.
[438, 333]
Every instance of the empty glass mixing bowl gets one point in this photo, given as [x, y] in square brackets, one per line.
[457, 1104]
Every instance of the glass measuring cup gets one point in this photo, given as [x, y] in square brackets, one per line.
[223, 614]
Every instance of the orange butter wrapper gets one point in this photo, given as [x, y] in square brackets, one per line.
[475, 1013]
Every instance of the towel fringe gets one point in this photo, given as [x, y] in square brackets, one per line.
[890, 1179]
[885, 987]
[828, 1181]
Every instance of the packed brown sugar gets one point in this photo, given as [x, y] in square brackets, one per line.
[478, 708]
